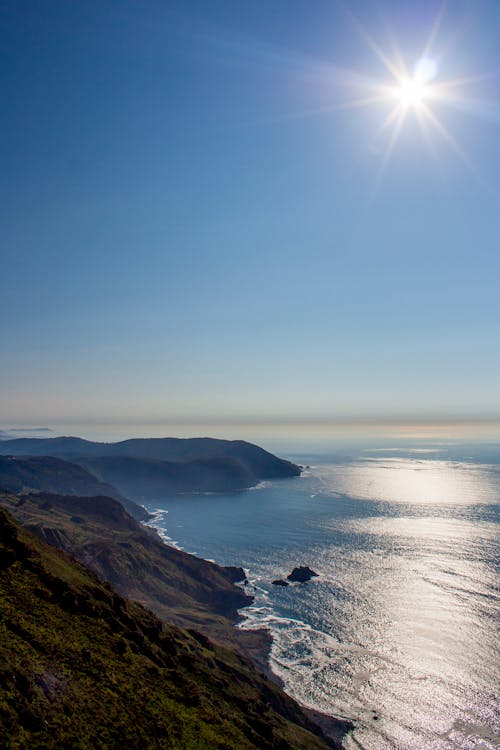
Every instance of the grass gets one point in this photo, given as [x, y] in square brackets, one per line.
[81, 668]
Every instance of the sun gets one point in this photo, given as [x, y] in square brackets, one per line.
[411, 93]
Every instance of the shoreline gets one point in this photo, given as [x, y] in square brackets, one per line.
[256, 643]
[334, 727]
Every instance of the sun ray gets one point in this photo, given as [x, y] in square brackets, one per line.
[393, 115]
[399, 117]
[442, 86]
[357, 103]
[408, 91]
[446, 135]
[384, 59]
[417, 93]
[304, 114]
[424, 129]
[399, 61]
[434, 30]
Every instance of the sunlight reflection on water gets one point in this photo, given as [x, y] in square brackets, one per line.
[412, 481]
[399, 632]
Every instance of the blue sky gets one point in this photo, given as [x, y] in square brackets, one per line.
[196, 225]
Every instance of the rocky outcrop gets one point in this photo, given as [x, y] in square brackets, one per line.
[301, 574]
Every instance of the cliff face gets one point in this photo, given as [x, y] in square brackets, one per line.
[82, 667]
[150, 479]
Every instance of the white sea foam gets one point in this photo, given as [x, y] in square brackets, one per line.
[260, 486]
[157, 522]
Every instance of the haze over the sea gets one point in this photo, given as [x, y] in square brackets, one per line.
[290, 437]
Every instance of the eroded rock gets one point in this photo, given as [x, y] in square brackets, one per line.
[301, 574]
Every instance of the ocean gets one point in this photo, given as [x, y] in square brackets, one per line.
[399, 631]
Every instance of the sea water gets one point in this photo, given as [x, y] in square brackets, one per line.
[399, 631]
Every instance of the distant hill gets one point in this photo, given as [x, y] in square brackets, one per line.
[82, 667]
[46, 473]
[153, 467]
[259, 461]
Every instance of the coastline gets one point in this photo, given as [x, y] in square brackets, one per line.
[333, 727]
[256, 643]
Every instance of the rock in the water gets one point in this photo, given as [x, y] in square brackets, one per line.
[302, 574]
[280, 582]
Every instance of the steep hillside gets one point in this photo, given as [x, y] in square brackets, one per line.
[148, 479]
[181, 589]
[80, 667]
[48, 474]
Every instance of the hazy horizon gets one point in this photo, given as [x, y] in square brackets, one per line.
[286, 436]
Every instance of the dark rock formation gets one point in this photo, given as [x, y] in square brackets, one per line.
[301, 574]
[279, 582]
[237, 574]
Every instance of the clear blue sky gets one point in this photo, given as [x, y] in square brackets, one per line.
[194, 223]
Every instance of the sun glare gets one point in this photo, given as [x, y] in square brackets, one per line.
[411, 93]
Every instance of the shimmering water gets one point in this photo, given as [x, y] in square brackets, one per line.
[400, 631]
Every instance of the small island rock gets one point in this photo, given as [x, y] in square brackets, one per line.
[280, 582]
[302, 574]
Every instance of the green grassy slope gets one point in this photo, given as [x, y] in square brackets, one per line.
[179, 588]
[80, 668]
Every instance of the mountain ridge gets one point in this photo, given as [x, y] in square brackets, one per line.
[163, 449]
